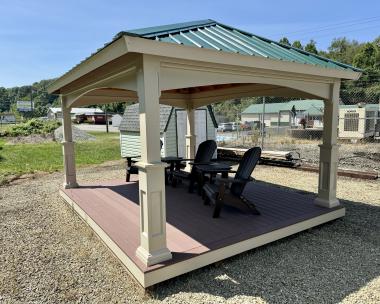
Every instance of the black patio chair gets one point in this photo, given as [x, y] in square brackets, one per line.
[230, 190]
[131, 167]
[204, 155]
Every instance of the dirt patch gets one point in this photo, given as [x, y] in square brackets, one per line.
[31, 139]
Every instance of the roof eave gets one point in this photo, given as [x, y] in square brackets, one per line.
[124, 44]
[109, 52]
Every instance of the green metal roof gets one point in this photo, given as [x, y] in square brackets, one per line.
[213, 35]
[313, 106]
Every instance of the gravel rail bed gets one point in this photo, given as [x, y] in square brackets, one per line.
[48, 255]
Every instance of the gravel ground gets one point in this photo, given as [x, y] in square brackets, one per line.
[48, 255]
[351, 156]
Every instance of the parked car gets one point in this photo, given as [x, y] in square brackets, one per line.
[235, 126]
[246, 126]
[225, 127]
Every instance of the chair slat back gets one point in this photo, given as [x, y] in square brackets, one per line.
[245, 169]
[205, 151]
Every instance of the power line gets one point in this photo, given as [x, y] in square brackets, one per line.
[333, 25]
[341, 33]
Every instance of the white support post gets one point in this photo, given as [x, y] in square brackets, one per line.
[152, 249]
[68, 149]
[190, 134]
[328, 160]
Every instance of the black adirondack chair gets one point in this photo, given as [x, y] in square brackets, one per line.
[131, 168]
[204, 154]
[230, 190]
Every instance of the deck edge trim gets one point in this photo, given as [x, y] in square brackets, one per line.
[128, 264]
[171, 271]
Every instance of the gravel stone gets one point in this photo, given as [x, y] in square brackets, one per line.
[48, 255]
[78, 134]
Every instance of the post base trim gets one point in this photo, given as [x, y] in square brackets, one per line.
[155, 257]
[326, 203]
[70, 185]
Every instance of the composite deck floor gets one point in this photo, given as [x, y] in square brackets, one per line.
[191, 230]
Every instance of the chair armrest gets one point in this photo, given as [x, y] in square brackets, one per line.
[230, 180]
[187, 159]
[197, 164]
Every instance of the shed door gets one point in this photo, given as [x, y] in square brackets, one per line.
[200, 130]
[181, 132]
[200, 127]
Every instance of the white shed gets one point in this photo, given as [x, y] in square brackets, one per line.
[173, 129]
[358, 121]
[116, 120]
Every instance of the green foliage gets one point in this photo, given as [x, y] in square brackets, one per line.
[311, 47]
[368, 57]
[285, 41]
[38, 92]
[343, 50]
[297, 44]
[32, 126]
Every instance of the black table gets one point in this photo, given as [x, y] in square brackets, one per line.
[212, 169]
[175, 164]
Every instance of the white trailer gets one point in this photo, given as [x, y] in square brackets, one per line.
[359, 121]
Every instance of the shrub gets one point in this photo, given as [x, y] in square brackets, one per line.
[32, 126]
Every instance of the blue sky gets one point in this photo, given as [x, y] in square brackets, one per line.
[43, 39]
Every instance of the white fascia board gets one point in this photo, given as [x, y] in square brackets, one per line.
[166, 49]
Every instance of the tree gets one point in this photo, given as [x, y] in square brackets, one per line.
[297, 44]
[343, 50]
[285, 41]
[311, 47]
[367, 57]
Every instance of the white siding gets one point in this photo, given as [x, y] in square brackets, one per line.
[211, 130]
[170, 137]
[130, 144]
[181, 126]
[250, 117]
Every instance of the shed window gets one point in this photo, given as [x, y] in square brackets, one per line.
[351, 122]
[370, 121]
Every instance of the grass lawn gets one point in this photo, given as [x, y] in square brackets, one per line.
[28, 158]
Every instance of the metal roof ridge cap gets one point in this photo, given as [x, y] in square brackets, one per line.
[170, 31]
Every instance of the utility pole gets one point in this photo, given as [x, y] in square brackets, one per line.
[106, 113]
[262, 125]
[31, 99]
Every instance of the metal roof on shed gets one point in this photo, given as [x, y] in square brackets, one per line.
[299, 105]
[217, 36]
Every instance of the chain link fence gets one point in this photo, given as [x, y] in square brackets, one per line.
[297, 126]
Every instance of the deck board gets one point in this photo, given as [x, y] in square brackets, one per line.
[191, 231]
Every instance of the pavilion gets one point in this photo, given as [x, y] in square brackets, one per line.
[190, 65]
